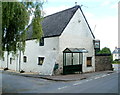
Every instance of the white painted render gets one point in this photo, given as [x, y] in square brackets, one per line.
[78, 35]
[6, 60]
[33, 51]
[116, 67]
[75, 35]
[116, 56]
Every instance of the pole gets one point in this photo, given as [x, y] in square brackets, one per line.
[7, 58]
[20, 58]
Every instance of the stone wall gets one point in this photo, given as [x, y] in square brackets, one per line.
[102, 63]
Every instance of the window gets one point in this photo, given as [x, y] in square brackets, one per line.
[25, 59]
[40, 60]
[3, 58]
[41, 43]
[10, 60]
[89, 61]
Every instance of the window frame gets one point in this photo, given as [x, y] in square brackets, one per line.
[3, 59]
[41, 42]
[89, 59]
[10, 60]
[25, 59]
[40, 59]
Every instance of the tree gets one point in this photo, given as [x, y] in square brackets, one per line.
[15, 19]
[104, 50]
[35, 9]
[0, 29]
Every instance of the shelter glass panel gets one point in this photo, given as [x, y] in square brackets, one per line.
[75, 58]
[68, 59]
[81, 58]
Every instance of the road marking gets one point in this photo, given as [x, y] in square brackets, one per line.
[62, 87]
[103, 75]
[90, 79]
[96, 77]
[77, 83]
[87, 80]
[108, 74]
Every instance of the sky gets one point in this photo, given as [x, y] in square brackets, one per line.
[102, 16]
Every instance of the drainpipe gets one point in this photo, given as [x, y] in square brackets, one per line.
[17, 63]
[7, 59]
[20, 57]
[20, 61]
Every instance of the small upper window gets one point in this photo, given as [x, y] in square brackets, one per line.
[3, 58]
[41, 43]
[40, 60]
[25, 59]
[10, 60]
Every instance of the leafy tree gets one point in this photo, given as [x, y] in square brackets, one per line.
[104, 50]
[15, 19]
[0, 29]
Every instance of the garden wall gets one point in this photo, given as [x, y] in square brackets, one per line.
[103, 62]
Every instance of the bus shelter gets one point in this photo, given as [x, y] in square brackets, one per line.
[73, 60]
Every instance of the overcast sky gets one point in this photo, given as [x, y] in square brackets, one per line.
[102, 15]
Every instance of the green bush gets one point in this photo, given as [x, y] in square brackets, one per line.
[115, 62]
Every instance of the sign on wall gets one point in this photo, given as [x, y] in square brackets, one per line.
[96, 43]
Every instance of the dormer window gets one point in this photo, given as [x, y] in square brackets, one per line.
[41, 43]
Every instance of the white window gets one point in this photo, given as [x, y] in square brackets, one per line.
[24, 59]
[10, 60]
[40, 60]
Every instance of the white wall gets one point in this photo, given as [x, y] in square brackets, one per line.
[116, 67]
[116, 56]
[14, 63]
[3, 63]
[78, 35]
[33, 51]
[75, 35]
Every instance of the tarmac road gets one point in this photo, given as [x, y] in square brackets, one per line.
[105, 83]
[99, 84]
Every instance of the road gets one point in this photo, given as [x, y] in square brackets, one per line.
[106, 83]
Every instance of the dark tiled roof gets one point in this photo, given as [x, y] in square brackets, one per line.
[53, 25]
[116, 51]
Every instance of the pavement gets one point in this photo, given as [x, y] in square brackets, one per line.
[69, 77]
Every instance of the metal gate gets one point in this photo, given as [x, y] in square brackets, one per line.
[73, 60]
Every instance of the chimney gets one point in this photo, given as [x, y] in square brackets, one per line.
[75, 3]
[116, 47]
